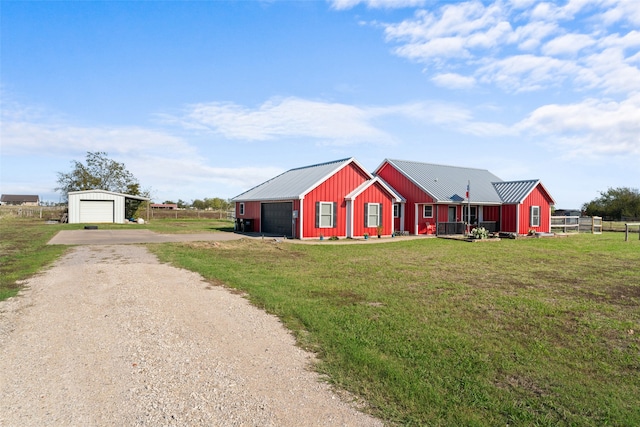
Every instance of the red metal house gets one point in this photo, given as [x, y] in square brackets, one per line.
[338, 198]
[442, 199]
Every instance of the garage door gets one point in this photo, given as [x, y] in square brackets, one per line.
[92, 211]
[277, 218]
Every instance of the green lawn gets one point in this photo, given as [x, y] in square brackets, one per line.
[431, 331]
[439, 332]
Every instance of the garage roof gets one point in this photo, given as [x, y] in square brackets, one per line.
[113, 193]
[295, 183]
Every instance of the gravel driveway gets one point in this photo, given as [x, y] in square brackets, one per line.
[110, 337]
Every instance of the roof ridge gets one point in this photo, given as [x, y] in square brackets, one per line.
[322, 164]
[437, 164]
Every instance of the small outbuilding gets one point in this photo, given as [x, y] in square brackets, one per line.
[101, 206]
[19, 200]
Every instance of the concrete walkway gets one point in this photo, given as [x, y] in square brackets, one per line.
[120, 237]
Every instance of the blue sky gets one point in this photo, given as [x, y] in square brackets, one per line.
[209, 98]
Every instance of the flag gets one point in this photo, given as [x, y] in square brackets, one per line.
[467, 191]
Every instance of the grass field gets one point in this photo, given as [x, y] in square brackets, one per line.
[432, 331]
[438, 332]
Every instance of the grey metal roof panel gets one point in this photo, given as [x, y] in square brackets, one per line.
[127, 196]
[515, 191]
[293, 183]
[449, 183]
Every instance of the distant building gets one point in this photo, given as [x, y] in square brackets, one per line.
[168, 206]
[20, 200]
[567, 212]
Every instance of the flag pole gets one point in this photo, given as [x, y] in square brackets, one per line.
[468, 207]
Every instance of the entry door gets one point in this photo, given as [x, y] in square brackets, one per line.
[452, 214]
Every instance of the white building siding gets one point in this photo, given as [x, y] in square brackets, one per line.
[76, 198]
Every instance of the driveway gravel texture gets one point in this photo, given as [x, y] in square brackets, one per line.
[108, 336]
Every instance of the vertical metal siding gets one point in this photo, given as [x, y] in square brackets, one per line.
[412, 194]
[508, 220]
[74, 205]
[535, 198]
[334, 189]
[491, 213]
[252, 211]
[373, 194]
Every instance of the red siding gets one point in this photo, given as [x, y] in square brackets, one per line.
[491, 213]
[334, 189]
[508, 218]
[251, 211]
[411, 192]
[538, 197]
[373, 194]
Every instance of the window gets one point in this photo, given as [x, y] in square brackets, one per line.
[427, 211]
[325, 214]
[473, 218]
[534, 217]
[241, 208]
[396, 210]
[373, 214]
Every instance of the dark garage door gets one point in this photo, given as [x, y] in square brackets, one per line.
[277, 218]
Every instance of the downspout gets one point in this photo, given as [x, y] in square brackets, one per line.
[415, 221]
[301, 217]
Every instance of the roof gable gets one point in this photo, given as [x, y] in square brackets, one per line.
[515, 192]
[296, 183]
[355, 193]
[449, 183]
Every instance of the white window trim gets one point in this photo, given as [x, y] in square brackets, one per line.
[534, 219]
[331, 225]
[241, 209]
[396, 210]
[377, 215]
[424, 213]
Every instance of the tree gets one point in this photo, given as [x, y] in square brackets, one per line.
[615, 203]
[98, 173]
[198, 204]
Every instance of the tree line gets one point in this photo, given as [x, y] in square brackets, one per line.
[615, 204]
[214, 203]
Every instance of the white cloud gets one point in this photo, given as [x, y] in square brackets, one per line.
[525, 73]
[28, 137]
[622, 10]
[568, 44]
[454, 81]
[592, 127]
[375, 4]
[523, 46]
[324, 122]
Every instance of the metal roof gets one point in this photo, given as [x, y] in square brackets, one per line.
[19, 198]
[515, 191]
[126, 196]
[295, 183]
[449, 183]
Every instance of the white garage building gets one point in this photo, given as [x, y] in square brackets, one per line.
[99, 206]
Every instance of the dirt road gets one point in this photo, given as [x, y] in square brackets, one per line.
[110, 337]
